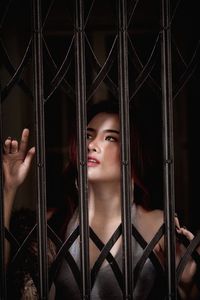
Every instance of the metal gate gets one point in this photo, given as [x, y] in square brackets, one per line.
[58, 56]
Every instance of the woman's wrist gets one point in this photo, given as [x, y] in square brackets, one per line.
[9, 197]
[9, 190]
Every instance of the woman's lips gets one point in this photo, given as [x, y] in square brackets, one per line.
[92, 162]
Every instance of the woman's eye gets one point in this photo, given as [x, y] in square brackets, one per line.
[111, 139]
[89, 137]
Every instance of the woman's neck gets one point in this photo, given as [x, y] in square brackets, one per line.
[104, 200]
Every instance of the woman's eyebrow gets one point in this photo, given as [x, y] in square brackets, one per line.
[111, 130]
[90, 129]
[106, 130]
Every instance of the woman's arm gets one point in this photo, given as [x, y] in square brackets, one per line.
[188, 289]
[16, 164]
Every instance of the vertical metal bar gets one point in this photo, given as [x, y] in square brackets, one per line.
[2, 231]
[125, 149]
[81, 136]
[168, 148]
[40, 150]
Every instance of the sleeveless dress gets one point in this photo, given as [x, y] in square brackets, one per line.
[107, 285]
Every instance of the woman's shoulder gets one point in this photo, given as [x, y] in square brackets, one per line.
[148, 222]
[156, 215]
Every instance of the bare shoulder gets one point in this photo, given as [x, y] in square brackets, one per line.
[148, 222]
[157, 216]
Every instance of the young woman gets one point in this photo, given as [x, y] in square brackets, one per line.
[104, 199]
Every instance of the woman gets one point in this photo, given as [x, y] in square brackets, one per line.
[104, 200]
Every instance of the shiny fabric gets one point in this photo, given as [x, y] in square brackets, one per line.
[106, 287]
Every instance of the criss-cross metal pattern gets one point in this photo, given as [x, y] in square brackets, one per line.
[131, 63]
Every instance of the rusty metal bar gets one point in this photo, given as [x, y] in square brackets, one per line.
[168, 149]
[40, 150]
[81, 137]
[125, 150]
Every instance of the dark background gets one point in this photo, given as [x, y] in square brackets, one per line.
[59, 91]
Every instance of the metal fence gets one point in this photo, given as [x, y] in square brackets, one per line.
[58, 56]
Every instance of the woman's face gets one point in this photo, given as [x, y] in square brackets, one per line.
[103, 148]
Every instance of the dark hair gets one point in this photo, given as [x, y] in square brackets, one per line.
[138, 163]
[138, 154]
[107, 106]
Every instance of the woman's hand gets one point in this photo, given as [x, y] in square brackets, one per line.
[16, 161]
[187, 287]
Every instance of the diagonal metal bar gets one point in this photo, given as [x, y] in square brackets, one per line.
[144, 71]
[168, 152]
[14, 73]
[12, 240]
[175, 9]
[64, 85]
[97, 66]
[89, 12]
[19, 252]
[18, 72]
[66, 62]
[62, 71]
[81, 137]
[132, 9]
[191, 68]
[47, 13]
[40, 150]
[104, 70]
[125, 150]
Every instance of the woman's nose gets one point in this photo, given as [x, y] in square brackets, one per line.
[92, 146]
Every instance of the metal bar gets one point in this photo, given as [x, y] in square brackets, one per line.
[125, 150]
[81, 137]
[40, 150]
[168, 149]
[2, 231]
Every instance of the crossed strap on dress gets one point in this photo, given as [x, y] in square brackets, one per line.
[105, 254]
